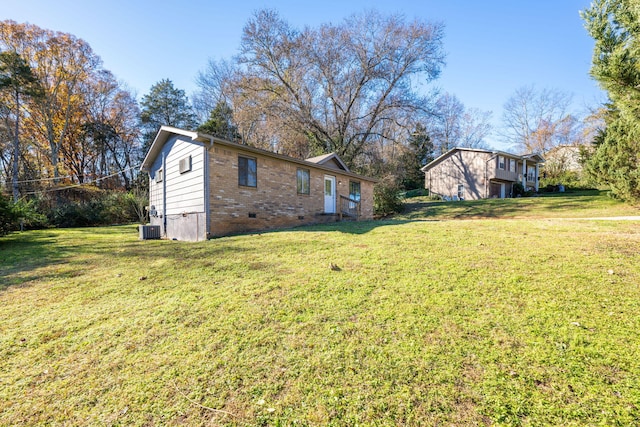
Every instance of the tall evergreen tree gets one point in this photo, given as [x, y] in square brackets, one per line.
[419, 151]
[220, 123]
[165, 105]
[613, 24]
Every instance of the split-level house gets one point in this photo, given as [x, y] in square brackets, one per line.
[201, 186]
[472, 173]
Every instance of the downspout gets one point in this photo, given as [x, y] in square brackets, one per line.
[207, 190]
[164, 194]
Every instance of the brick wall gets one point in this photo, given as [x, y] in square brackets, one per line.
[274, 203]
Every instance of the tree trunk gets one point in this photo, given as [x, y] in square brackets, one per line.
[16, 152]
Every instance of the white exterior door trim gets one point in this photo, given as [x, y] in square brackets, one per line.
[329, 194]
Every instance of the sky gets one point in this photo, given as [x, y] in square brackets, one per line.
[493, 47]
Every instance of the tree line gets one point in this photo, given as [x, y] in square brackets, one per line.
[362, 88]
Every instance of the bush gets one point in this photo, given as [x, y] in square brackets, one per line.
[518, 190]
[96, 208]
[569, 179]
[386, 198]
[416, 193]
[8, 216]
[29, 216]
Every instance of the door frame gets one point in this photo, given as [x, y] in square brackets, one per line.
[331, 207]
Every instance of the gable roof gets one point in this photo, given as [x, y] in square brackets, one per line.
[533, 156]
[162, 136]
[328, 162]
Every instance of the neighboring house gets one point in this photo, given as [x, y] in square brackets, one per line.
[201, 186]
[563, 158]
[472, 173]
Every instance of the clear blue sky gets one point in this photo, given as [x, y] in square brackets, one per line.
[493, 46]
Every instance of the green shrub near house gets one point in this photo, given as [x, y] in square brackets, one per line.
[386, 198]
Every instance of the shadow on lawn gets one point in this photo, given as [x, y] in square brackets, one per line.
[459, 210]
[502, 208]
[25, 252]
[24, 257]
[350, 227]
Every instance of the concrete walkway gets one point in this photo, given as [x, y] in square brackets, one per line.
[610, 218]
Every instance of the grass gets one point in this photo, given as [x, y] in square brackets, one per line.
[579, 204]
[514, 322]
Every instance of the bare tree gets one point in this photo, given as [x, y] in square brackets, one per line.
[213, 82]
[335, 88]
[453, 125]
[476, 127]
[110, 129]
[445, 128]
[536, 121]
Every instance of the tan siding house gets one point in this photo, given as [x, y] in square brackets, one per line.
[471, 174]
[201, 186]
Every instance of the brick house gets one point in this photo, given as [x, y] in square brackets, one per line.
[202, 186]
[473, 173]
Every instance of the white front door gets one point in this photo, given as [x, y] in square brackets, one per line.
[502, 190]
[329, 194]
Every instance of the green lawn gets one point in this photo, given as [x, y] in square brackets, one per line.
[583, 204]
[529, 321]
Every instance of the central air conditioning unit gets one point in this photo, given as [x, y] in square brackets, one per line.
[149, 232]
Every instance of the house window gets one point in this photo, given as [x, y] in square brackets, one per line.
[501, 162]
[185, 164]
[354, 190]
[247, 172]
[460, 191]
[303, 181]
[512, 165]
[159, 175]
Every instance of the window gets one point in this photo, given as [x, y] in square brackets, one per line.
[185, 164]
[159, 175]
[247, 172]
[512, 165]
[460, 191]
[501, 162]
[354, 190]
[303, 181]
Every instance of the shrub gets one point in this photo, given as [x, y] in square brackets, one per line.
[570, 179]
[8, 216]
[518, 190]
[416, 193]
[386, 198]
[78, 214]
[29, 215]
[96, 208]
